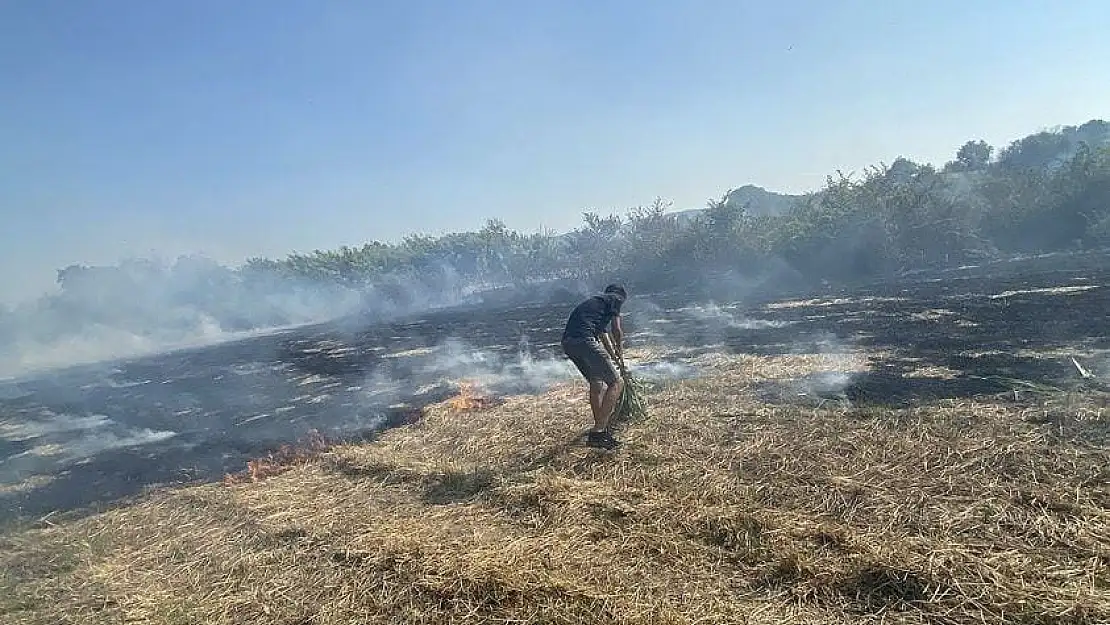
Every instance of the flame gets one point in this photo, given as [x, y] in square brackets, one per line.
[470, 398]
[286, 457]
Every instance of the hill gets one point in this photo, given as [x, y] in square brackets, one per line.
[757, 201]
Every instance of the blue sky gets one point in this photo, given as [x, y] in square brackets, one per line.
[246, 127]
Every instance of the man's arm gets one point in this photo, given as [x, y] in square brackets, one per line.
[608, 348]
[618, 337]
[607, 341]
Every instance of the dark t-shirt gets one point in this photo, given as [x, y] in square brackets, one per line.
[591, 318]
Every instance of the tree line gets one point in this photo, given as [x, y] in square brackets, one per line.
[1046, 192]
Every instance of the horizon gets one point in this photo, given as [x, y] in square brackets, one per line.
[255, 130]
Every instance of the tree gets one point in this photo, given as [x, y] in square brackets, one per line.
[1043, 150]
[594, 247]
[972, 156]
[1048, 191]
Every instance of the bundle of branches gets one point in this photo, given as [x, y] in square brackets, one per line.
[631, 404]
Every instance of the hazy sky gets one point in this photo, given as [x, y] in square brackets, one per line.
[245, 127]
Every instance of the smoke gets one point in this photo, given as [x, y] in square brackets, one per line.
[54, 440]
[206, 406]
[712, 315]
[215, 408]
[702, 326]
[435, 373]
[828, 364]
[275, 388]
[771, 274]
[516, 373]
[25, 355]
[141, 307]
[839, 365]
[663, 371]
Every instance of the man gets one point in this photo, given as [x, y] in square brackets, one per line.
[589, 345]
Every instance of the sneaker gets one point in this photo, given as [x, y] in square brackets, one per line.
[603, 440]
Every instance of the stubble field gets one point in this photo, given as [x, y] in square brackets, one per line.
[925, 451]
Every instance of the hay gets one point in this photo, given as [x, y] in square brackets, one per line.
[734, 511]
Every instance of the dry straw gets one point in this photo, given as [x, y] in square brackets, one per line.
[720, 508]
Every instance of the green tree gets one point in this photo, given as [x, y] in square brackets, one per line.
[1047, 191]
[972, 156]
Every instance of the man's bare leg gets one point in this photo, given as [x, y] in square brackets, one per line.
[608, 405]
[597, 389]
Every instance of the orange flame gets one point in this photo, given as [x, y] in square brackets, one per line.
[469, 399]
[280, 461]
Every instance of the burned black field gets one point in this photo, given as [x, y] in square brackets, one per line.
[89, 436]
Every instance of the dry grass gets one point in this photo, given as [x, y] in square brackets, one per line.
[285, 458]
[719, 509]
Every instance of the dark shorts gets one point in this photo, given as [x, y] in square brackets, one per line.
[592, 360]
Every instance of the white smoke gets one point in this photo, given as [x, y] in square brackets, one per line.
[509, 372]
[715, 315]
[503, 374]
[843, 366]
[54, 440]
[663, 371]
[141, 307]
[101, 343]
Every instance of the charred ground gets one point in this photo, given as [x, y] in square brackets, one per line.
[918, 452]
[986, 329]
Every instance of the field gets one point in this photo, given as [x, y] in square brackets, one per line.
[923, 451]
